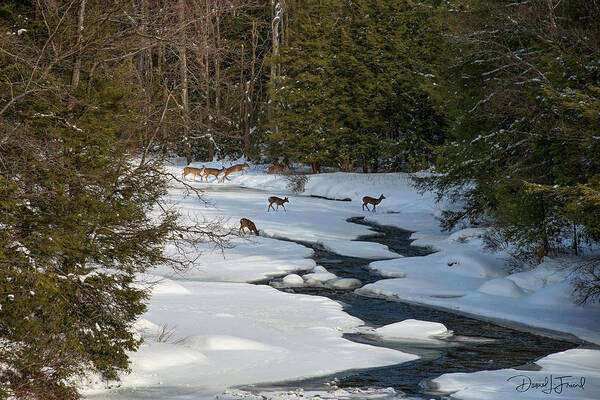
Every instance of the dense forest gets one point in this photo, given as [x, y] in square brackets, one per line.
[498, 100]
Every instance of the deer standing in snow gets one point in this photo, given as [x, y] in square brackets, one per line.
[277, 201]
[276, 169]
[371, 200]
[214, 172]
[234, 168]
[193, 171]
[246, 223]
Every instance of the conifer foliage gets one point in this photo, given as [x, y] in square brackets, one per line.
[351, 87]
[523, 90]
[75, 205]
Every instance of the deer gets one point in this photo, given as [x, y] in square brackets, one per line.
[277, 201]
[246, 223]
[234, 168]
[193, 171]
[276, 168]
[214, 172]
[541, 253]
[370, 200]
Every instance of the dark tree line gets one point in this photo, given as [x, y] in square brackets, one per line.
[350, 91]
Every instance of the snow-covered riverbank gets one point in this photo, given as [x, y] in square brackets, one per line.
[572, 374]
[461, 275]
[207, 329]
[225, 332]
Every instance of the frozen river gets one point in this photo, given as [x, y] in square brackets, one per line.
[237, 329]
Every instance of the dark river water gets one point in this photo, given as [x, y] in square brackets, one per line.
[476, 345]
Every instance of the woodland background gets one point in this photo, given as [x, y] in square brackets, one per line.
[501, 99]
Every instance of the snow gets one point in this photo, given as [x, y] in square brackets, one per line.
[501, 287]
[292, 280]
[344, 283]
[251, 259]
[320, 276]
[412, 330]
[358, 249]
[224, 343]
[228, 334]
[335, 394]
[473, 282]
[577, 367]
[207, 329]
[462, 276]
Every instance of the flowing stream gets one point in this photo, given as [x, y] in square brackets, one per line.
[476, 345]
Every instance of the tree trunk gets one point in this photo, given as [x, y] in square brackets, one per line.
[80, 27]
[217, 82]
[545, 242]
[243, 105]
[347, 165]
[184, 82]
[207, 23]
[275, 20]
[575, 240]
[250, 92]
[142, 56]
[316, 167]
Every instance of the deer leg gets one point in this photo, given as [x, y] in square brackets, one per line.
[283, 208]
[270, 205]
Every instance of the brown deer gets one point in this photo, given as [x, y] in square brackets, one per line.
[541, 253]
[370, 200]
[276, 168]
[193, 171]
[277, 201]
[234, 168]
[214, 172]
[246, 223]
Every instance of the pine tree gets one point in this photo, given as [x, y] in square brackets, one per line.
[75, 206]
[523, 98]
[347, 93]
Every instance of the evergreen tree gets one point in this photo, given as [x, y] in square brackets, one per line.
[522, 90]
[77, 210]
[349, 89]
